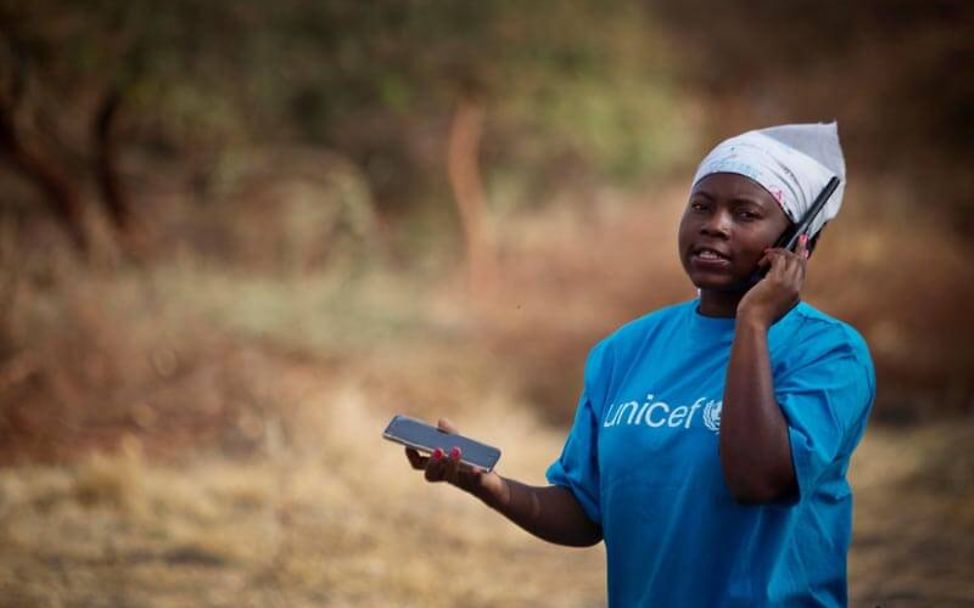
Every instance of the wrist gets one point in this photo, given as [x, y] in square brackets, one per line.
[751, 319]
[491, 489]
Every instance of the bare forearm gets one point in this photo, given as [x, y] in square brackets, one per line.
[754, 448]
[548, 512]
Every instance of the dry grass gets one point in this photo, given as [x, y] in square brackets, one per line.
[914, 520]
[326, 513]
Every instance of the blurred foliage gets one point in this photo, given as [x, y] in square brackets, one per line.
[577, 94]
[574, 90]
[266, 144]
[895, 75]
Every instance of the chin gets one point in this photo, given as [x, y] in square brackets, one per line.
[720, 284]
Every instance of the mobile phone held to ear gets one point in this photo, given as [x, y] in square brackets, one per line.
[426, 438]
[790, 237]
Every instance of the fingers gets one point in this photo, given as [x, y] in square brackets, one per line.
[802, 249]
[417, 461]
[787, 262]
[777, 259]
[787, 269]
[780, 289]
[445, 467]
[803, 253]
[445, 425]
[799, 261]
[442, 466]
[436, 467]
[452, 473]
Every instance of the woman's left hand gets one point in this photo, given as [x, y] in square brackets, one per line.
[779, 291]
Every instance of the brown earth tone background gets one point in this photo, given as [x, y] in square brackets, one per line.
[236, 238]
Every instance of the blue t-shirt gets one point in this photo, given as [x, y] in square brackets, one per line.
[642, 460]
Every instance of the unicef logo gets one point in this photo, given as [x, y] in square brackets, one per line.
[711, 415]
[661, 415]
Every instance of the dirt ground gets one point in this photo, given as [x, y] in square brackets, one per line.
[325, 513]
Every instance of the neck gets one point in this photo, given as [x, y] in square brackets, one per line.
[719, 303]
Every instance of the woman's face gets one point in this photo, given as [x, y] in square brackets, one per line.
[728, 223]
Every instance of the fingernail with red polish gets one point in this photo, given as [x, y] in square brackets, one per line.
[455, 453]
[437, 454]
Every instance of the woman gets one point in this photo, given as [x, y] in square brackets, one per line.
[712, 438]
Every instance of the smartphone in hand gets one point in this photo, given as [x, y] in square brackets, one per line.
[426, 438]
[789, 239]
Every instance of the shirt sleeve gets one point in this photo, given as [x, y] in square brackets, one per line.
[578, 466]
[825, 403]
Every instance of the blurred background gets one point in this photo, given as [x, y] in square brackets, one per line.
[237, 236]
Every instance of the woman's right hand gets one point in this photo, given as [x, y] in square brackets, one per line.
[549, 512]
[440, 466]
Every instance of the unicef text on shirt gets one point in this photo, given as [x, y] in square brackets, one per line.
[659, 414]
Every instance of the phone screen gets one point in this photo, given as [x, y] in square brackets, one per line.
[426, 438]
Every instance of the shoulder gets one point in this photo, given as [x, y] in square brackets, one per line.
[637, 331]
[811, 324]
[812, 336]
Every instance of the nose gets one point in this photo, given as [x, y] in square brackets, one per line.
[717, 224]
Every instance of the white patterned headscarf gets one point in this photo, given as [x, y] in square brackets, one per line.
[792, 162]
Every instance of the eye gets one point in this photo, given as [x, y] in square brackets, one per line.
[698, 205]
[748, 215]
